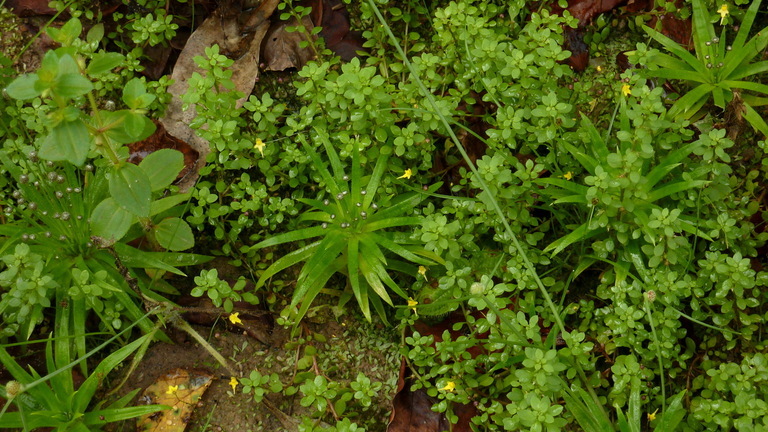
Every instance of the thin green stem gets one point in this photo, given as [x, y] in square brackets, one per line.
[647, 307]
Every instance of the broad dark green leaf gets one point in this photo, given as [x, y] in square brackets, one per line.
[131, 190]
[162, 167]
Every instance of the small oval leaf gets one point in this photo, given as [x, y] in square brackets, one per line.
[110, 221]
[162, 167]
[174, 234]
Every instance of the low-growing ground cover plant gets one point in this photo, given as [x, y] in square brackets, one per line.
[595, 242]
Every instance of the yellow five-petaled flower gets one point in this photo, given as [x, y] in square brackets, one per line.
[233, 383]
[723, 11]
[652, 416]
[407, 174]
[172, 389]
[259, 146]
[568, 175]
[626, 90]
[235, 318]
[450, 386]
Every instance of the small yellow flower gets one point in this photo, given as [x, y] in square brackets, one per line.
[407, 174]
[652, 416]
[626, 90]
[259, 146]
[423, 271]
[235, 318]
[568, 176]
[412, 304]
[449, 387]
[599, 68]
[233, 383]
[172, 389]
[723, 11]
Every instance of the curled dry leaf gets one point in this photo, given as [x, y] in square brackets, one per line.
[239, 33]
[180, 389]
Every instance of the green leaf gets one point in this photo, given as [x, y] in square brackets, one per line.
[672, 188]
[132, 257]
[135, 95]
[756, 120]
[746, 24]
[677, 50]
[286, 261]
[68, 141]
[67, 33]
[673, 415]
[162, 167]
[114, 124]
[160, 205]
[95, 34]
[174, 234]
[130, 188]
[110, 221]
[353, 274]
[23, 87]
[321, 167]
[104, 62]
[581, 233]
[373, 182]
[689, 104]
[296, 235]
[83, 395]
[72, 85]
[590, 417]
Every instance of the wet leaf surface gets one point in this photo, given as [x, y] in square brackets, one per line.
[181, 389]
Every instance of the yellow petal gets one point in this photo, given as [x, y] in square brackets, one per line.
[652, 416]
[259, 145]
[407, 174]
[233, 383]
[449, 387]
[235, 318]
[723, 11]
[172, 389]
[626, 90]
[568, 175]
[412, 302]
[423, 271]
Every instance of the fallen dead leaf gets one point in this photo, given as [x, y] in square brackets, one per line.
[239, 33]
[181, 389]
[282, 49]
[29, 7]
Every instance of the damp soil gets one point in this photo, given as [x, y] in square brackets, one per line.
[350, 346]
